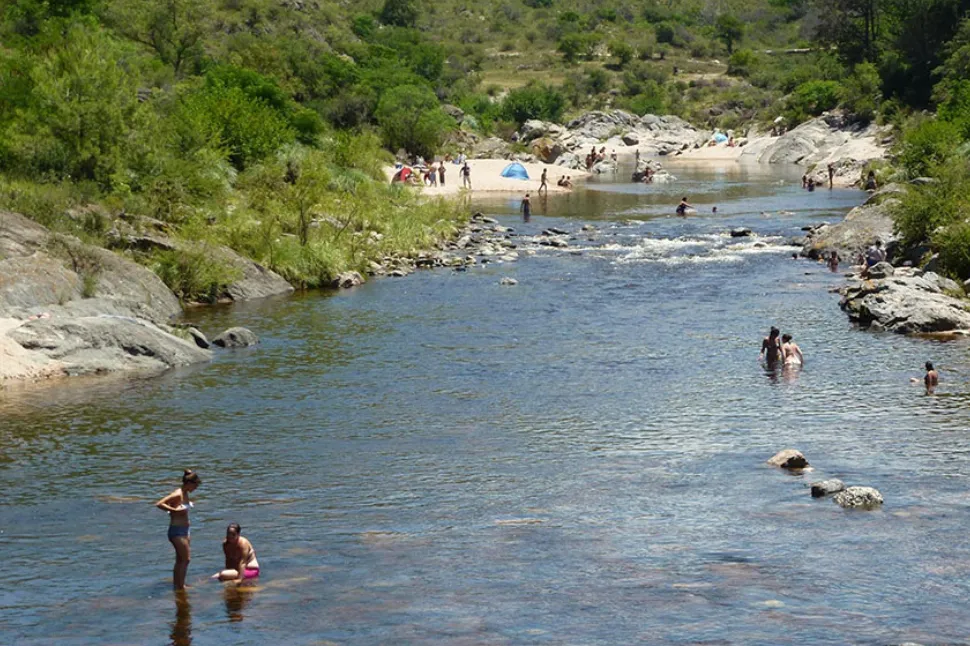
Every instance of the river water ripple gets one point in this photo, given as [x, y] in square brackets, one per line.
[578, 459]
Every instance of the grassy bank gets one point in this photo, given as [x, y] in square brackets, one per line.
[304, 213]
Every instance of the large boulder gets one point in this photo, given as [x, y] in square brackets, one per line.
[906, 303]
[822, 140]
[106, 343]
[860, 228]
[547, 150]
[858, 498]
[881, 270]
[533, 129]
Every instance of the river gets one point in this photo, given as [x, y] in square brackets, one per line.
[576, 459]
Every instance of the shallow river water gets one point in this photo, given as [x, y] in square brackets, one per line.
[577, 459]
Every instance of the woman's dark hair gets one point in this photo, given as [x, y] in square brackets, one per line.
[774, 332]
[234, 527]
[929, 365]
[191, 476]
[786, 338]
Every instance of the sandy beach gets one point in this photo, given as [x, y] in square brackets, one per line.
[486, 176]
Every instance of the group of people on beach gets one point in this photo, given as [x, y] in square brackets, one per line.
[240, 564]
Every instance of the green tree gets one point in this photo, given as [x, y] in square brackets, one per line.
[852, 26]
[570, 46]
[623, 52]
[534, 101]
[861, 92]
[729, 30]
[81, 105]
[399, 13]
[174, 29]
[411, 118]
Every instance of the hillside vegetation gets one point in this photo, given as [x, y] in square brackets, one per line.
[264, 124]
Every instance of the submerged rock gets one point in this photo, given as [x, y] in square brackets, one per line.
[506, 280]
[859, 498]
[788, 459]
[741, 232]
[236, 337]
[826, 488]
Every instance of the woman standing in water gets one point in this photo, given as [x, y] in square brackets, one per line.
[177, 504]
[241, 560]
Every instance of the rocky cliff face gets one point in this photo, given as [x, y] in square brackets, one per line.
[69, 308]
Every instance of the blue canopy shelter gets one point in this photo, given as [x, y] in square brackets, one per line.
[720, 137]
[515, 170]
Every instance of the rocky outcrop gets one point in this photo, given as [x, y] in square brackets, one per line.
[617, 130]
[789, 459]
[87, 345]
[860, 229]
[908, 301]
[250, 279]
[859, 498]
[69, 308]
[830, 138]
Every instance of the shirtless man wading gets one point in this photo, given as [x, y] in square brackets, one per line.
[771, 347]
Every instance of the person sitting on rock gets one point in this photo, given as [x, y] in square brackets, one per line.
[875, 254]
[871, 181]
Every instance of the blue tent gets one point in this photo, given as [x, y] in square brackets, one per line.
[515, 170]
[720, 137]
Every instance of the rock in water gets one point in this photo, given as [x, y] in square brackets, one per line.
[826, 487]
[348, 279]
[740, 232]
[789, 459]
[508, 281]
[858, 498]
[236, 337]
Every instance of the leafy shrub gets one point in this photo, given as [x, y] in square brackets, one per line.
[195, 274]
[742, 63]
[399, 13]
[956, 108]
[411, 118]
[861, 92]
[534, 101]
[812, 99]
[926, 146]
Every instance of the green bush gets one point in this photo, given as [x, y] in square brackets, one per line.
[742, 63]
[411, 118]
[953, 243]
[534, 101]
[195, 274]
[399, 13]
[956, 108]
[812, 99]
[861, 92]
[926, 146]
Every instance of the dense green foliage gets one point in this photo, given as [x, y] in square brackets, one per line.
[191, 111]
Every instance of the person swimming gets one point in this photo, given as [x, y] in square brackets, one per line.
[770, 347]
[241, 563]
[790, 352]
[683, 206]
[177, 504]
